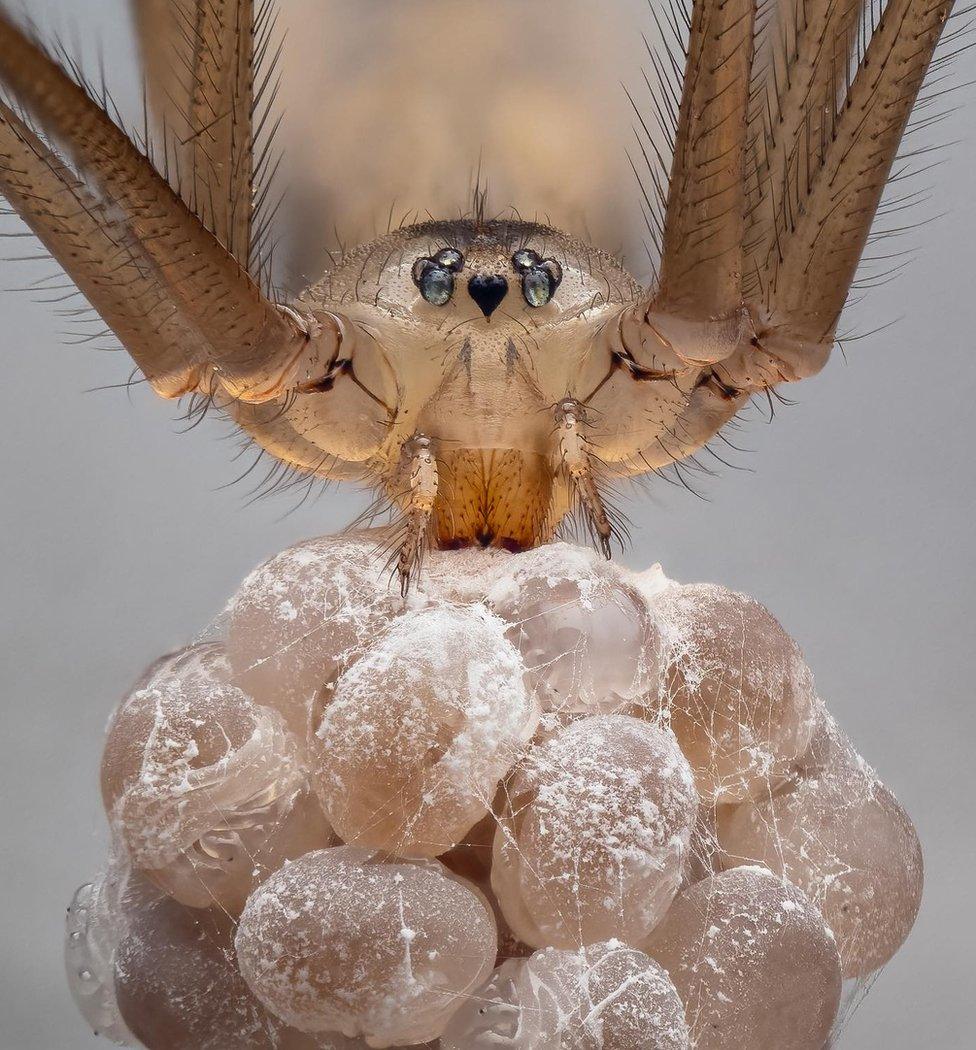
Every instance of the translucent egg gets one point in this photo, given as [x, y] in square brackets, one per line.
[753, 962]
[593, 840]
[587, 638]
[840, 835]
[178, 985]
[494, 1017]
[409, 752]
[740, 695]
[179, 982]
[303, 614]
[203, 786]
[225, 864]
[345, 941]
[604, 997]
[96, 922]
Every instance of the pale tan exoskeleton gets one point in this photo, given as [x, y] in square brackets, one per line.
[486, 375]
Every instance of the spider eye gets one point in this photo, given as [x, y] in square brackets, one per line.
[540, 281]
[451, 259]
[435, 281]
[525, 259]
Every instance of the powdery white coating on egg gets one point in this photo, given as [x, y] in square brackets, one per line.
[840, 835]
[202, 785]
[346, 941]
[463, 576]
[420, 730]
[604, 997]
[585, 632]
[753, 962]
[651, 582]
[739, 693]
[593, 840]
[303, 614]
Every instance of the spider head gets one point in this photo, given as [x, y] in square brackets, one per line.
[470, 334]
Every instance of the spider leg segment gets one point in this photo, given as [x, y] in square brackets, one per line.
[785, 139]
[697, 306]
[201, 61]
[710, 407]
[808, 258]
[186, 309]
[103, 259]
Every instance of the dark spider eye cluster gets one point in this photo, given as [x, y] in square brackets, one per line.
[434, 275]
[540, 277]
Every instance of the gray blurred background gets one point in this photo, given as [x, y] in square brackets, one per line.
[852, 519]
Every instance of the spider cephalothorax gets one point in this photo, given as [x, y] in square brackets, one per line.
[471, 341]
[483, 375]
